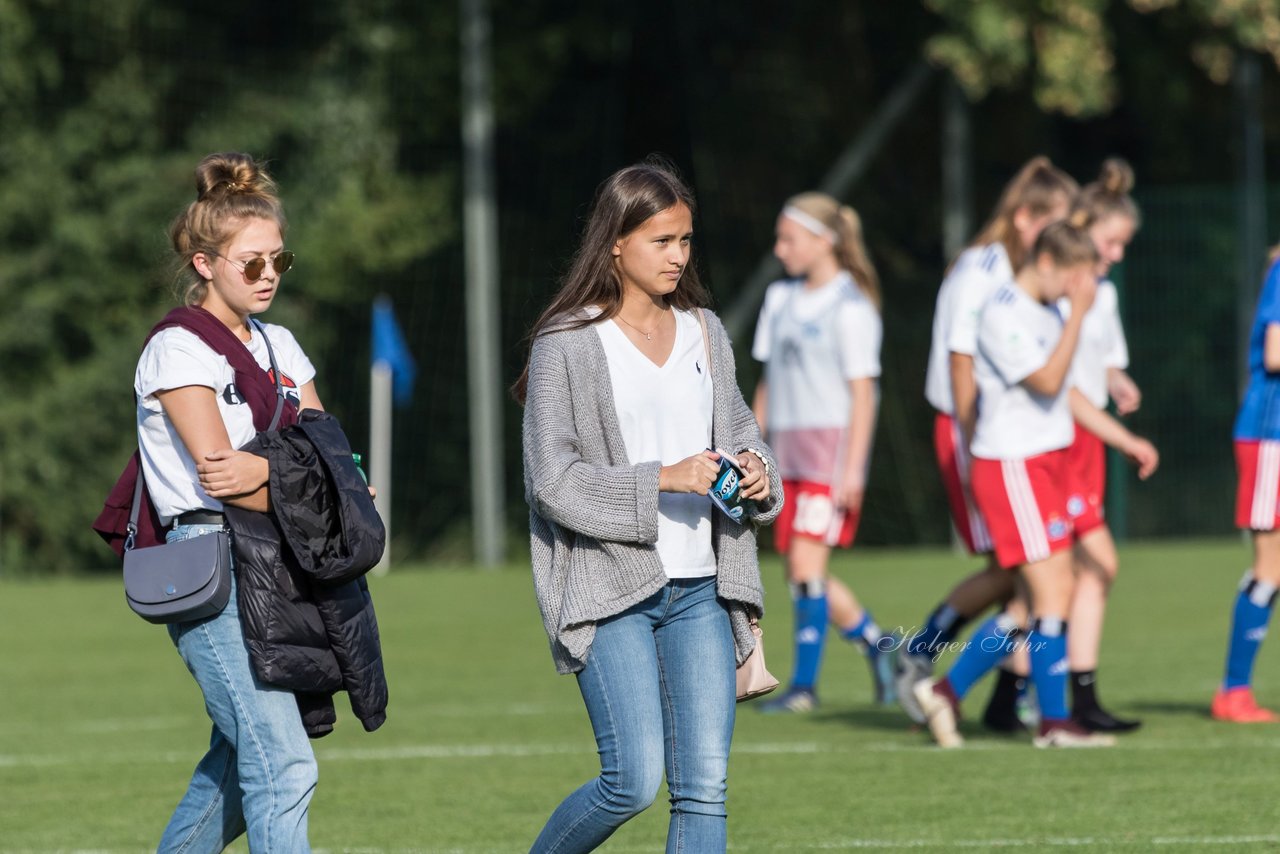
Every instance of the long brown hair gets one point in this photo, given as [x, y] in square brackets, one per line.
[1038, 187]
[622, 204]
[230, 189]
[850, 248]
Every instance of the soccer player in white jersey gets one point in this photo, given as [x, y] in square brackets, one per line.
[819, 338]
[1021, 480]
[1105, 209]
[1037, 195]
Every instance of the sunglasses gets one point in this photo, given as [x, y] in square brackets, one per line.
[255, 267]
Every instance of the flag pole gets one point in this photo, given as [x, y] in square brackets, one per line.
[380, 450]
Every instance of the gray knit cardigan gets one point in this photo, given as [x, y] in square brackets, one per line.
[593, 513]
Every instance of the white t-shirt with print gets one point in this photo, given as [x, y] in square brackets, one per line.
[176, 357]
[665, 415]
[813, 341]
[1016, 336]
[976, 274]
[1102, 343]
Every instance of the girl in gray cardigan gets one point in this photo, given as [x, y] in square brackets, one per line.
[646, 591]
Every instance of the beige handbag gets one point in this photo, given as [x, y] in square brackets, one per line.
[754, 679]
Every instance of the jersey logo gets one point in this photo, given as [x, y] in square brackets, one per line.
[288, 385]
[232, 395]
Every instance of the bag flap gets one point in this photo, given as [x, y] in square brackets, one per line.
[167, 573]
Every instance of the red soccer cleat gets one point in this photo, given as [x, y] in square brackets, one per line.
[1237, 706]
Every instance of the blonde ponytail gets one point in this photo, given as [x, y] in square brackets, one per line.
[1039, 187]
[850, 248]
[851, 252]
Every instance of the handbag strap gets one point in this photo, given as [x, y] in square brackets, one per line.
[706, 342]
[275, 374]
[131, 530]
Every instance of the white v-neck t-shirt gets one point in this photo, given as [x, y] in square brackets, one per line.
[665, 415]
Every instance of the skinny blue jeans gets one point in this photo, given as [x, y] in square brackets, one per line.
[260, 771]
[659, 686]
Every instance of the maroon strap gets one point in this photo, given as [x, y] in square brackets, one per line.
[257, 386]
[259, 391]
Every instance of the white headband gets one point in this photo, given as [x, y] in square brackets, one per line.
[811, 223]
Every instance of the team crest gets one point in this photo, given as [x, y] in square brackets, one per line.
[1057, 528]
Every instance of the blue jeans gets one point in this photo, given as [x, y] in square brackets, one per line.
[659, 685]
[260, 771]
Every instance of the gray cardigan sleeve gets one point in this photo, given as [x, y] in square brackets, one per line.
[613, 503]
[746, 430]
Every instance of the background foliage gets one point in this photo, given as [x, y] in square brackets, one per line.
[106, 107]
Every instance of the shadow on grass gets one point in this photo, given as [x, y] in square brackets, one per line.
[884, 718]
[1173, 707]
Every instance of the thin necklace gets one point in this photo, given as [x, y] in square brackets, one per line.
[648, 336]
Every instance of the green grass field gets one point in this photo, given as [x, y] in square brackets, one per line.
[100, 726]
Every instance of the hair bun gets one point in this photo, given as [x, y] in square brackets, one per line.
[1116, 176]
[230, 173]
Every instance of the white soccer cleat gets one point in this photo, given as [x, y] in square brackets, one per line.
[911, 669]
[939, 713]
[1070, 734]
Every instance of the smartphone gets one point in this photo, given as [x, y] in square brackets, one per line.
[726, 491]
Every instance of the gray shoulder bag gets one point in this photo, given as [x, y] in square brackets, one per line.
[189, 579]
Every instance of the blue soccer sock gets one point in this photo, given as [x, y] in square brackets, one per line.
[865, 634]
[940, 629]
[1248, 628]
[993, 640]
[1048, 645]
[811, 632]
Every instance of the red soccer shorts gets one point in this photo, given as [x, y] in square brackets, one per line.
[1258, 484]
[954, 464]
[810, 512]
[1087, 461]
[1025, 505]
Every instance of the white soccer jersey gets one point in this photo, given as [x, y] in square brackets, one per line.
[1016, 336]
[1102, 343]
[973, 278]
[176, 357]
[813, 342]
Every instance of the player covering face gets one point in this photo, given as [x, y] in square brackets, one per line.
[1020, 478]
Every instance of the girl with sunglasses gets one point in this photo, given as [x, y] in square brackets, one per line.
[259, 772]
[647, 592]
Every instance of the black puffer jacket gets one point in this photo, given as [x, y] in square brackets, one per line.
[307, 614]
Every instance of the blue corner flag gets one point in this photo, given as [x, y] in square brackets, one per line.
[389, 348]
